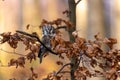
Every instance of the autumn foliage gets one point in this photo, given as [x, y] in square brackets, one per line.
[89, 53]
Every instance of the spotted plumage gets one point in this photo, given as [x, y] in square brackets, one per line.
[48, 32]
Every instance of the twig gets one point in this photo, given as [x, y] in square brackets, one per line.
[86, 54]
[34, 36]
[65, 72]
[12, 52]
[61, 27]
[80, 59]
[63, 68]
[78, 2]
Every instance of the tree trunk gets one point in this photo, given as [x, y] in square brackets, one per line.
[72, 17]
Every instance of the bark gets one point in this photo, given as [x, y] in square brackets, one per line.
[72, 16]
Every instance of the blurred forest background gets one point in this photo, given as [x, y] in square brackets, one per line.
[93, 16]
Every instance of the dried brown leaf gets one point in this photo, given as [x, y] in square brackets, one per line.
[59, 63]
[31, 56]
[110, 42]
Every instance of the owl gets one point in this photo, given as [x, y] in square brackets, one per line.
[48, 31]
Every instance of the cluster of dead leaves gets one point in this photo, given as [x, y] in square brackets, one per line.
[31, 56]
[82, 73]
[34, 75]
[58, 22]
[67, 47]
[11, 39]
[17, 62]
[53, 76]
[67, 13]
[89, 53]
[105, 59]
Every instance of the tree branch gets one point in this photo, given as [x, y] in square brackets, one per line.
[80, 59]
[61, 27]
[34, 36]
[78, 2]
[12, 52]
[63, 68]
[65, 72]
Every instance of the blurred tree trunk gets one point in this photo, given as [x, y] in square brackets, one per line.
[98, 18]
[31, 14]
[116, 25]
[95, 21]
[20, 14]
[10, 20]
[95, 18]
[108, 17]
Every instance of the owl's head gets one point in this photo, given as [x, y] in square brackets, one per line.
[48, 30]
